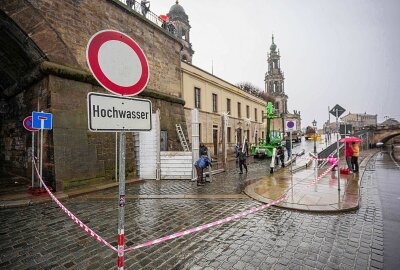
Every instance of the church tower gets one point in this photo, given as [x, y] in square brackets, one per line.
[274, 80]
[177, 16]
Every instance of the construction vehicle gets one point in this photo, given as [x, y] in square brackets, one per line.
[310, 131]
[311, 134]
[273, 138]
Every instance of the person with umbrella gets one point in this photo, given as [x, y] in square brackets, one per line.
[354, 148]
[354, 158]
[349, 156]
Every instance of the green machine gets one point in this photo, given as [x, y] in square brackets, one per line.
[273, 138]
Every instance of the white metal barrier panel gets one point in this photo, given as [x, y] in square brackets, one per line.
[176, 165]
[148, 150]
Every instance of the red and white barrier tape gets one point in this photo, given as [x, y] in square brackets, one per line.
[314, 158]
[162, 239]
[209, 225]
[178, 234]
[317, 179]
[73, 217]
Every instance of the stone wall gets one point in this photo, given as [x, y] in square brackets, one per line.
[61, 29]
[80, 154]
[16, 141]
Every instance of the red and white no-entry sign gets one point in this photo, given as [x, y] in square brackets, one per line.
[117, 62]
[28, 124]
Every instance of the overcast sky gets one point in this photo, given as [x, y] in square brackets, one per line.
[344, 52]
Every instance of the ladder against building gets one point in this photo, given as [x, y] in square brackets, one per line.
[182, 138]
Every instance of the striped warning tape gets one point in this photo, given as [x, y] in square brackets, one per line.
[209, 225]
[317, 179]
[72, 216]
[178, 234]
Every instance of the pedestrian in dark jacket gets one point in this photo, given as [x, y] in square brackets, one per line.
[203, 151]
[200, 165]
[241, 156]
[280, 155]
[288, 146]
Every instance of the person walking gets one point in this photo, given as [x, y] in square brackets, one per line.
[241, 156]
[200, 165]
[246, 150]
[130, 3]
[145, 6]
[349, 155]
[354, 158]
[280, 155]
[288, 146]
[203, 151]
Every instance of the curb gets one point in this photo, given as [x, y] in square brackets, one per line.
[60, 196]
[249, 192]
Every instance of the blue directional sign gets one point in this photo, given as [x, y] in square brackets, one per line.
[40, 117]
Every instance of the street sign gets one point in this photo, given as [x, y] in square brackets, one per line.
[28, 124]
[114, 113]
[41, 120]
[117, 62]
[340, 110]
[290, 125]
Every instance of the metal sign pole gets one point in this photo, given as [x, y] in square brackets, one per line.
[337, 146]
[121, 202]
[41, 150]
[195, 141]
[291, 152]
[116, 156]
[33, 158]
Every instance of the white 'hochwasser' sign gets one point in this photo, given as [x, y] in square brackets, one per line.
[116, 113]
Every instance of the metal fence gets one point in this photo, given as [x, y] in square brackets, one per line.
[144, 10]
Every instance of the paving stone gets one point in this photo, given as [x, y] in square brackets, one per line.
[272, 238]
[377, 265]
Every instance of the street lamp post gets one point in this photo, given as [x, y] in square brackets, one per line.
[314, 123]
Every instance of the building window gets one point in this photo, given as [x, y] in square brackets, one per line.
[262, 116]
[197, 98]
[214, 103]
[262, 135]
[228, 105]
[239, 109]
[277, 106]
[248, 135]
[228, 134]
[255, 114]
[200, 133]
[247, 111]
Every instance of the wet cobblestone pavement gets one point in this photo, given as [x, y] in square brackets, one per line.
[43, 237]
[230, 182]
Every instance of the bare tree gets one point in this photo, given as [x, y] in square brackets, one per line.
[255, 91]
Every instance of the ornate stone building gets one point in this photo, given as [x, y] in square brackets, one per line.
[274, 79]
[360, 120]
[275, 86]
[178, 17]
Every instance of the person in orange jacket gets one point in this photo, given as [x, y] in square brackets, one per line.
[354, 158]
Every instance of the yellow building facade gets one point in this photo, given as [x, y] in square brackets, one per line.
[213, 96]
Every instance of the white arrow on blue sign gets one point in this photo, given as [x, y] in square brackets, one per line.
[41, 120]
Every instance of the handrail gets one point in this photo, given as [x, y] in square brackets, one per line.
[151, 16]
